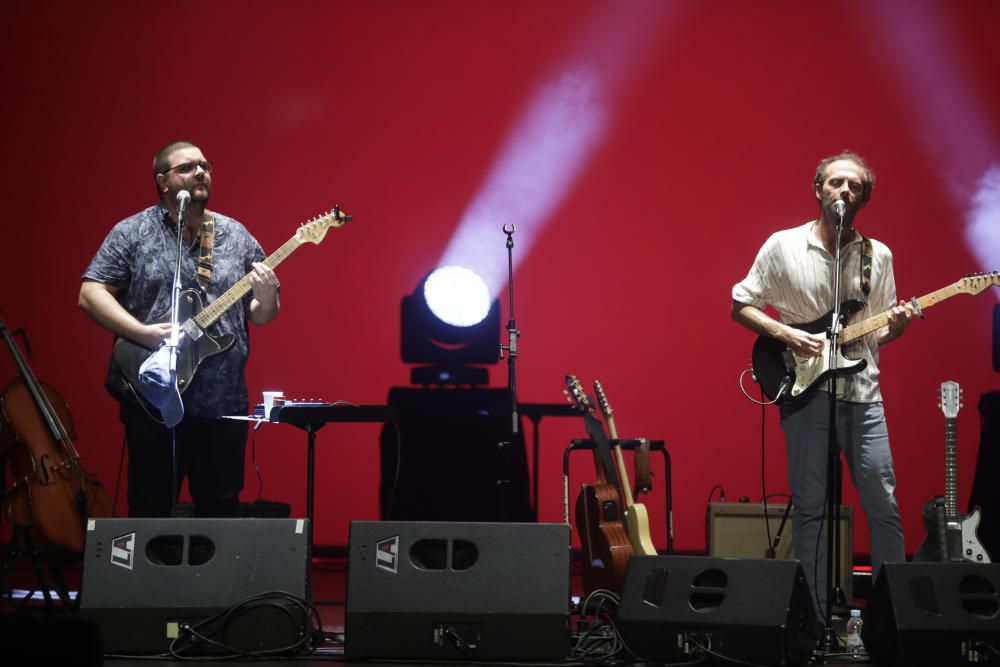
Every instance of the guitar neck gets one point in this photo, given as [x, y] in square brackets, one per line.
[620, 461]
[972, 284]
[951, 467]
[214, 310]
[876, 322]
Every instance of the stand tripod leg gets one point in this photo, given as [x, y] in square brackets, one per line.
[21, 534]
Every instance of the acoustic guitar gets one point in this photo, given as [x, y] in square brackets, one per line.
[636, 516]
[605, 545]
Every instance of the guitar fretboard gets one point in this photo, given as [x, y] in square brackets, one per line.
[951, 467]
[970, 285]
[214, 310]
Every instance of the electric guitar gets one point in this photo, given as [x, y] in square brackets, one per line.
[636, 516]
[950, 535]
[196, 343]
[603, 540]
[784, 375]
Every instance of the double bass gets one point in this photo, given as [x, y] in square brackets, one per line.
[49, 492]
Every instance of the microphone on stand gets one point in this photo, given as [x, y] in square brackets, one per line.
[839, 206]
[183, 197]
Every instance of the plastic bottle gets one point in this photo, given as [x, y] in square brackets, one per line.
[854, 644]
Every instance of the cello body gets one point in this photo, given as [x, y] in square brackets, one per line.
[48, 491]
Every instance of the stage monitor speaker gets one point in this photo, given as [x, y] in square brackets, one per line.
[737, 530]
[144, 579]
[757, 611]
[934, 614]
[458, 591]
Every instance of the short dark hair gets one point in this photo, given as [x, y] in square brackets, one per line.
[160, 163]
[850, 156]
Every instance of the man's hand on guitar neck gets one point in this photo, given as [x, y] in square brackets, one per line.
[265, 304]
[898, 319]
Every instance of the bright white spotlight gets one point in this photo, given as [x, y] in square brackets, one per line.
[457, 296]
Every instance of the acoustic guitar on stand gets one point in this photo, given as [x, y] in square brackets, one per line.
[636, 516]
[605, 545]
[784, 375]
[951, 536]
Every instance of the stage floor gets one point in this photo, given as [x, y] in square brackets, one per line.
[329, 581]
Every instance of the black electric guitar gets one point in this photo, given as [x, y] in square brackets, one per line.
[196, 343]
[950, 535]
[784, 375]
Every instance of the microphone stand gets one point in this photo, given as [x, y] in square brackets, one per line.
[512, 336]
[173, 341]
[834, 469]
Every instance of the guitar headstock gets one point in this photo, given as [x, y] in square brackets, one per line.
[602, 399]
[974, 283]
[577, 396]
[314, 230]
[950, 399]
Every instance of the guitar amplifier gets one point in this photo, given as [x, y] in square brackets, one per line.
[738, 530]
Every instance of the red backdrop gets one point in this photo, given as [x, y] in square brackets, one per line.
[398, 110]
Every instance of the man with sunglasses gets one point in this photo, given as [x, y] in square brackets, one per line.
[127, 288]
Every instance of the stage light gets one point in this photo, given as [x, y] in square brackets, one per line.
[457, 296]
[462, 328]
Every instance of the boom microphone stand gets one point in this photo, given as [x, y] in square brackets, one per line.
[513, 334]
[834, 468]
[183, 197]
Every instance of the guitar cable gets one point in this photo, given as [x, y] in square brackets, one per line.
[785, 384]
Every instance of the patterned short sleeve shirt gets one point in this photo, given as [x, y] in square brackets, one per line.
[138, 257]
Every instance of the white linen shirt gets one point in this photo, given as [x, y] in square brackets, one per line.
[793, 273]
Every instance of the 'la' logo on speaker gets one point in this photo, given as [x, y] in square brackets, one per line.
[123, 551]
[387, 554]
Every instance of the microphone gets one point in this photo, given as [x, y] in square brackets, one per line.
[839, 206]
[183, 197]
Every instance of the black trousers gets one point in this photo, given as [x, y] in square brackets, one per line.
[210, 454]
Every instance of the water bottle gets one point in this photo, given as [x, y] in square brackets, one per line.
[854, 645]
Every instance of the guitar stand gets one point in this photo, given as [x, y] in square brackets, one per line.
[22, 532]
[626, 445]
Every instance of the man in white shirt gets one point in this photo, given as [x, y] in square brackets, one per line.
[794, 274]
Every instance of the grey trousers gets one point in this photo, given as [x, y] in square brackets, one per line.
[864, 439]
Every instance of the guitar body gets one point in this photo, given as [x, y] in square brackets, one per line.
[934, 548]
[129, 356]
[956, 540]
[637, 527]
[971, 548]
[775, 364]
[604, 544]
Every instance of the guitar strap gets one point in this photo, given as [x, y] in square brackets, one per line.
[866, 264]
[205, 250]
